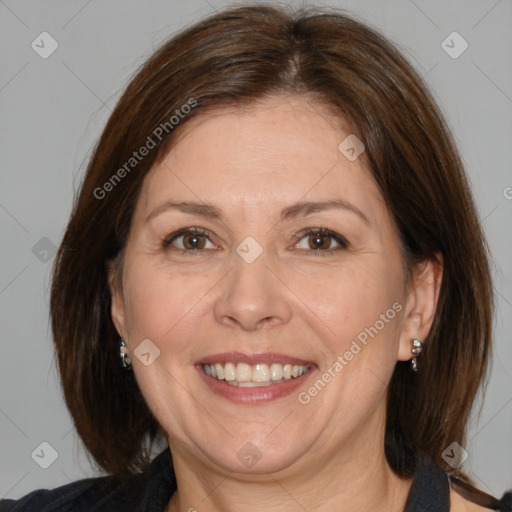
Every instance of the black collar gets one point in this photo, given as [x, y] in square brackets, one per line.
[430, 488]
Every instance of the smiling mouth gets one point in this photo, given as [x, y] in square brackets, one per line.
[260, 374]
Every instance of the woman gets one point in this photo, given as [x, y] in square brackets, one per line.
[275, 264]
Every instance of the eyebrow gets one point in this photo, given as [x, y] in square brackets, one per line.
[301, 208]
[199, 209]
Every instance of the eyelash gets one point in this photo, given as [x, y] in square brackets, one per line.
[182, 232]
[339, 239]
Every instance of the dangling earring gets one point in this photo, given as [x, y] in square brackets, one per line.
[124, 355]
[417, 347]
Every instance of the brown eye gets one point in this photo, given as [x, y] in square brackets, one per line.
[194, 241]
[319, 241]
[189, 240]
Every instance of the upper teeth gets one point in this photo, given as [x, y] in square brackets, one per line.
[261, 373]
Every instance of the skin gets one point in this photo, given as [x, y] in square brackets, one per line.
[251, 164]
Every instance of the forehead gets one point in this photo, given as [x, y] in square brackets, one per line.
[273, 152]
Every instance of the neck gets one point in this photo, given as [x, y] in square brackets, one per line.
[354, 477]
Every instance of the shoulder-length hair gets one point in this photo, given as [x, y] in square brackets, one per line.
[232, 59]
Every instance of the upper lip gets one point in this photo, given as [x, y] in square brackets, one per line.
[266, 357]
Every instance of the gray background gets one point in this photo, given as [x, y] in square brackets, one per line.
[52, 111]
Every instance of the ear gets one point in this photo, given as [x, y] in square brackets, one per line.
[421, 302]
[117, 310]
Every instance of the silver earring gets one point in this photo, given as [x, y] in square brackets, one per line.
[417, 347]
[124, 355]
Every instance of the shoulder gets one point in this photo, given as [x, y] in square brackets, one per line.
[463, 501]
[95, 494]
[460, 504]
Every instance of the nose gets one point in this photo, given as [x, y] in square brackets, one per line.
[252, 297]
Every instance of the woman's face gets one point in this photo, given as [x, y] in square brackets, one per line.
[258, 240]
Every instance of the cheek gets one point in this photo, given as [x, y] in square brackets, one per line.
[360, 304]
[161, 303]
[364, 316]
[357, 292]
[167, 308]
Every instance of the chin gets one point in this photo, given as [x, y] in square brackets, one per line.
[251, 460]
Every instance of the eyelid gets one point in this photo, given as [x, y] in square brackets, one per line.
[339, 239]
[169, 239]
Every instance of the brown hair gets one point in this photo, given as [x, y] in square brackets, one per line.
[233, 58]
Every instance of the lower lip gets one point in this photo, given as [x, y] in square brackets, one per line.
[257, 394]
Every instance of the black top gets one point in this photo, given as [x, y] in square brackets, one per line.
[152, 490]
